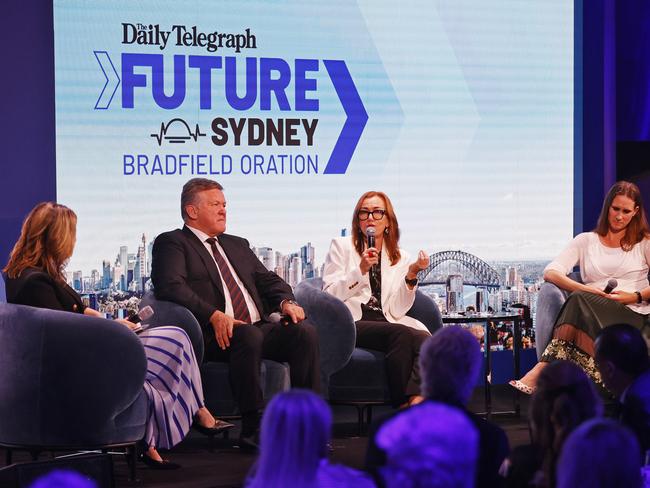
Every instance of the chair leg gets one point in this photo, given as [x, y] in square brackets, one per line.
[359, 419]
[132, 461]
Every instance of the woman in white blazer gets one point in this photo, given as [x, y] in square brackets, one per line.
[378, 285]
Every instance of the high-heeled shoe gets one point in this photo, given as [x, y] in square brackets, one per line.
[218, 427]
[165, 464]
[522, 387]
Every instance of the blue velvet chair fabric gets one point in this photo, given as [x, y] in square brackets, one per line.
[3, 292]
[69, 381]
[352, 375]
[214, 375]
[549, 302]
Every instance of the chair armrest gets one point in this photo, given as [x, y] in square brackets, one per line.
[426, 311]
[170, 313]
[337, 333]
[549, 302]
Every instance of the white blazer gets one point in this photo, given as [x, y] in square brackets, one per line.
[342, 278]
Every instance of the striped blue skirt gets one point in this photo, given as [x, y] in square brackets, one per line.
[173, 385]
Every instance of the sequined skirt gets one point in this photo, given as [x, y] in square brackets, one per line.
[589, 313]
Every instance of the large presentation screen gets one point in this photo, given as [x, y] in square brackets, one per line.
[461, 111]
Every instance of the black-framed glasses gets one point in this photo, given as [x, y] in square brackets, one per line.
[377, 214]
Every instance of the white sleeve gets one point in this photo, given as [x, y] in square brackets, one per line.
[570, 256]
[404, 297]
[339, 281]
[646, 250]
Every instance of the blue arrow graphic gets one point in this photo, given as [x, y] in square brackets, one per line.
[112, 78]
[355, 123]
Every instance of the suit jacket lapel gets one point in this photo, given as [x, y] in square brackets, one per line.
[208, 260]
[387, 272]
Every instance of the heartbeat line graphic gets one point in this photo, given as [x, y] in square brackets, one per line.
[181, 128]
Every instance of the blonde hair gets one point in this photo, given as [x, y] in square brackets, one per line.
[46, 241]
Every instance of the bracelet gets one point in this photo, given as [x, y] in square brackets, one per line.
[639, 298]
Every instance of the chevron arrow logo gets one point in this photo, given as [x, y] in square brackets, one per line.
[112, 80]
[355, 123]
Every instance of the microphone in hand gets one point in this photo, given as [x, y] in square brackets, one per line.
[611, 284]
[370, 236]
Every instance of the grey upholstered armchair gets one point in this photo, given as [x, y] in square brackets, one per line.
[215, 376]
[351, 375]
[549, 302]
[68, 382]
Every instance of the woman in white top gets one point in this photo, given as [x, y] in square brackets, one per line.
[378, 285]
[619, 249]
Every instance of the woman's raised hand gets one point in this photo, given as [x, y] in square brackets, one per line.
[421, 263]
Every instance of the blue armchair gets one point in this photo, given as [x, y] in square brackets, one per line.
[214, 375]
[351, 375]
[549, 302]
[69, 382]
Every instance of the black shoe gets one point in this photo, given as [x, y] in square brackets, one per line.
[164, 465]
[219, 427]
[250, 443]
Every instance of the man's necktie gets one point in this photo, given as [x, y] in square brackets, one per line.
[239, 307]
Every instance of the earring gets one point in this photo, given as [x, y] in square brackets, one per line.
[386, 231]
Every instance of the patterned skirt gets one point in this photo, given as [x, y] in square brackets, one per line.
[589, 313]
[173, 385]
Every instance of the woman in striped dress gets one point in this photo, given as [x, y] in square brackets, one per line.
[34, 277]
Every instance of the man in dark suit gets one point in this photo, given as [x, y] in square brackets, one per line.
[621, 356]
[450, 361]
[230, 292]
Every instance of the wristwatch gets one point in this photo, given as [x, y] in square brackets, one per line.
[412, 282]
[639, 297]
[289, 301]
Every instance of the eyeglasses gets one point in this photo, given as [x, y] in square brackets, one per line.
[377, 214]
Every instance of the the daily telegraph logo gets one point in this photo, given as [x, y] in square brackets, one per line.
[180, 35]
[266, 79]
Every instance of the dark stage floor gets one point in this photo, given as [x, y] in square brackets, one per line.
[226, 466]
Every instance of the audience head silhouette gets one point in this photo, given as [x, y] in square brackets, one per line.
[621, 355]
[600, 453]
[62, 478]
[440, 453]
[565, 397]
[295, 432]
[450, 361]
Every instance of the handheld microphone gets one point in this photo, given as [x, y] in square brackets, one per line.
[370, 235]
[144, 314]
[611, 284]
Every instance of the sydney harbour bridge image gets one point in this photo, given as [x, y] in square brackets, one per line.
[462, 283]
[466, 280]
[476, 271]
